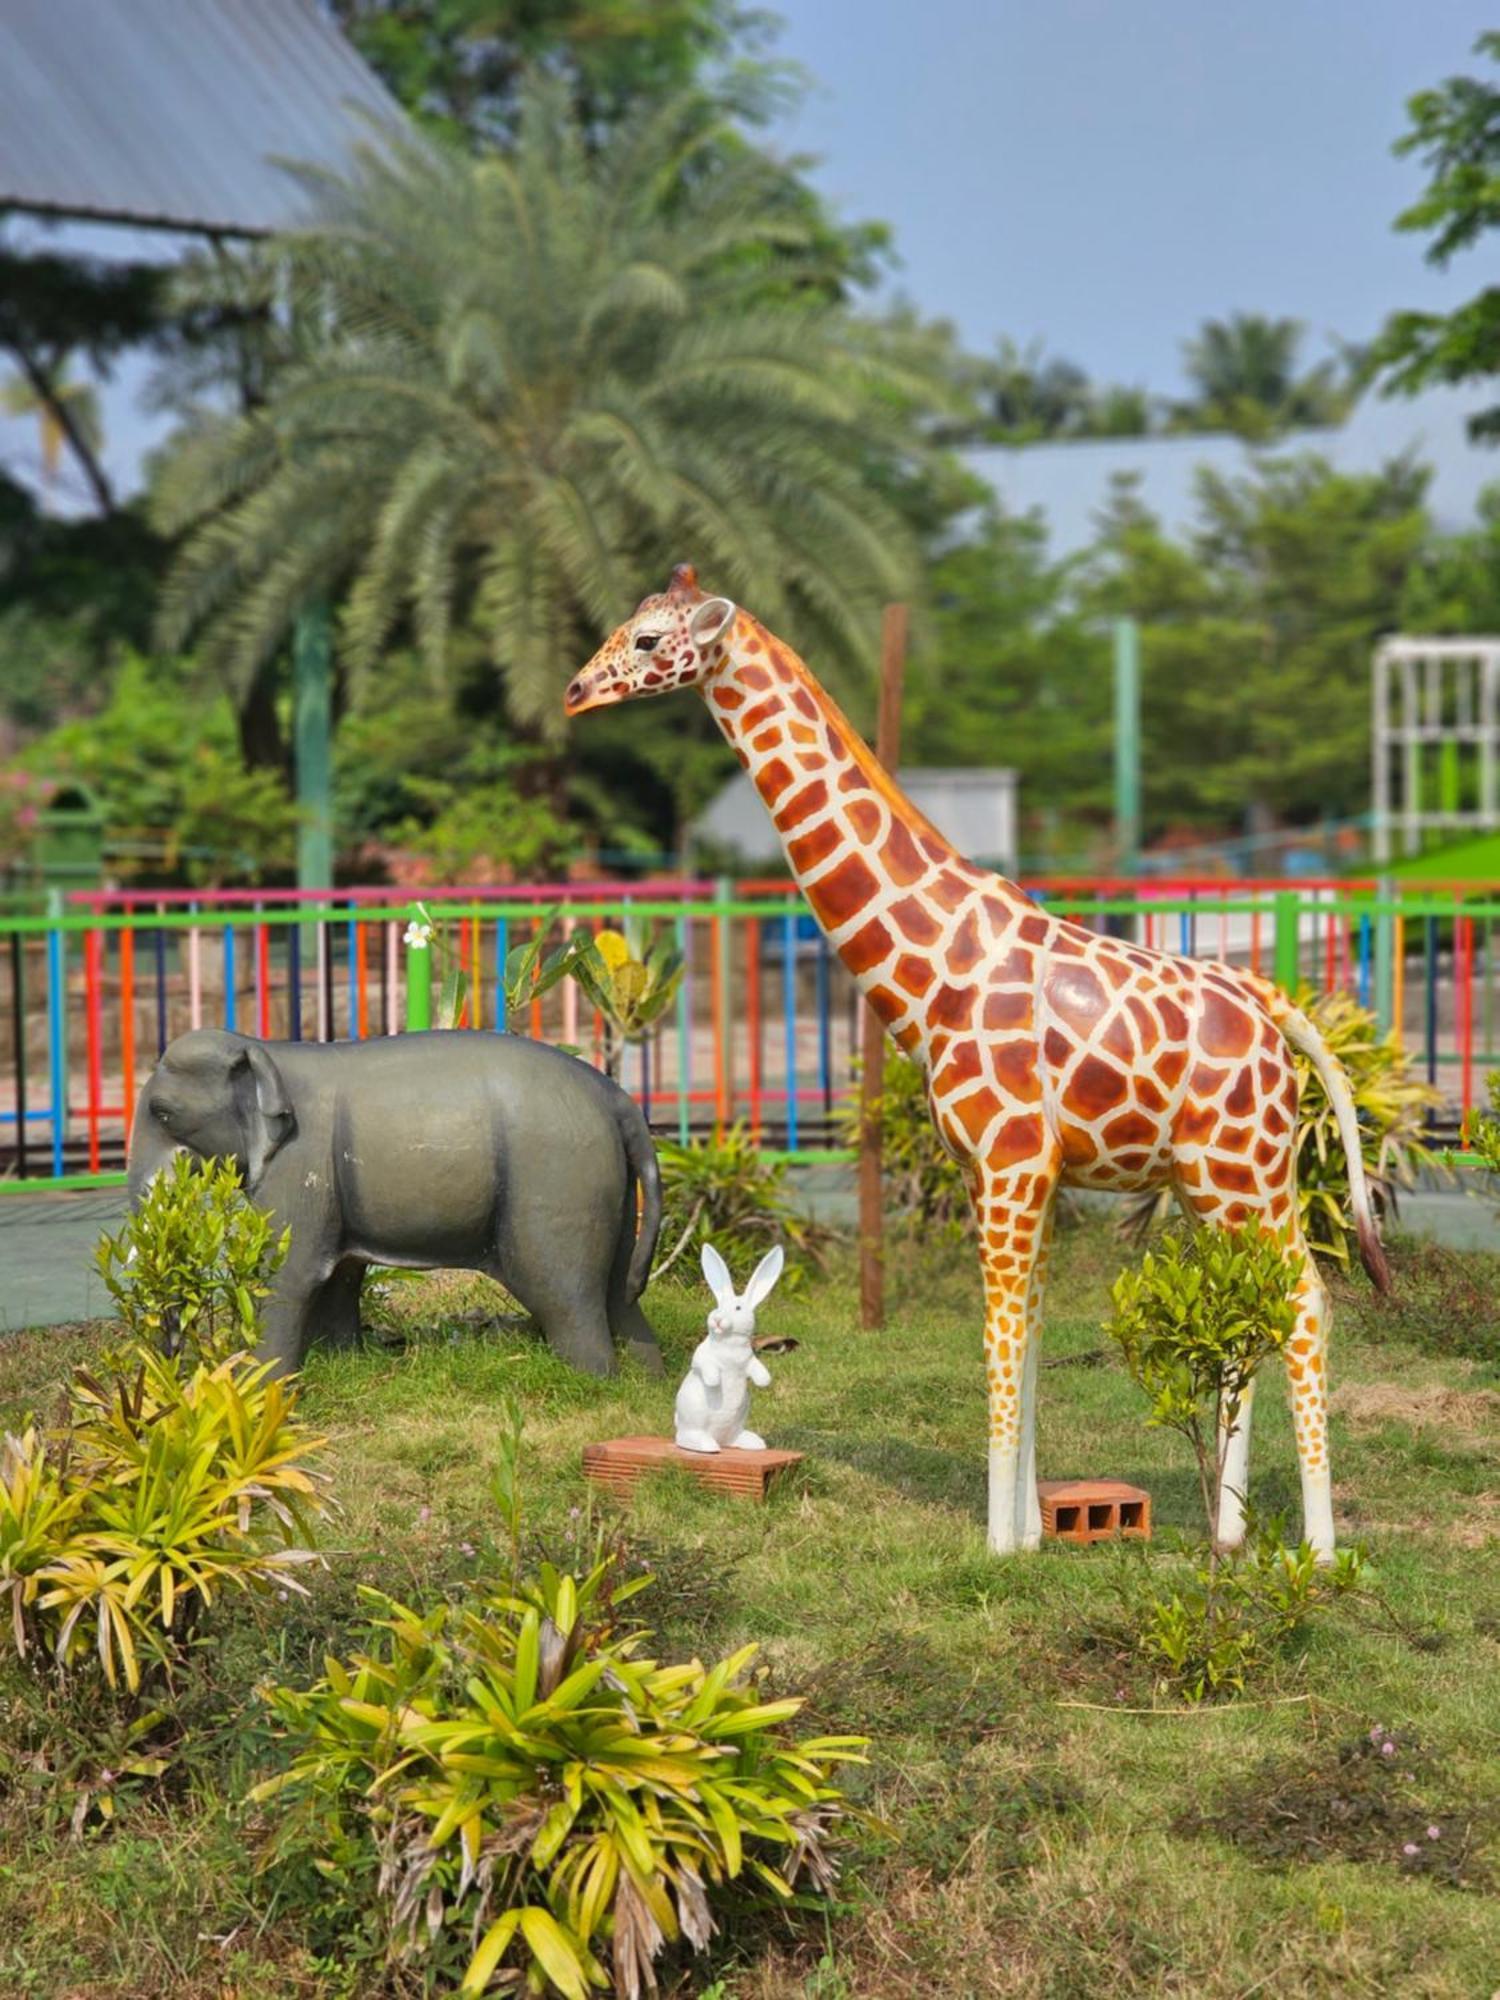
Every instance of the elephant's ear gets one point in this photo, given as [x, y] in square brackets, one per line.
[265, 1110]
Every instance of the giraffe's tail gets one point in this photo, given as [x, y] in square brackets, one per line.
[1301, 1033]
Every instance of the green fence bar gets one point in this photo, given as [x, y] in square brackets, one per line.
[1287, 965]
[418, 975]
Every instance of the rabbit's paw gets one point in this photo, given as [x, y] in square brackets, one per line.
[696, 1441]
[747, 1441]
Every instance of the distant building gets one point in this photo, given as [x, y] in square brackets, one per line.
[974, 808]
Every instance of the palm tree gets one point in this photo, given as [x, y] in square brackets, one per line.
[1244, 370]
[66, 410]
[520, 385]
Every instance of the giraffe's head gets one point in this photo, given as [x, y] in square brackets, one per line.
[669, 642]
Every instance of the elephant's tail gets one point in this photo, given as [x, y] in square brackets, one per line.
[641, 1154]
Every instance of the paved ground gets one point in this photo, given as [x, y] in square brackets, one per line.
[47, 1273]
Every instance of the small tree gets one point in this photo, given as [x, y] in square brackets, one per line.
[632, 978]
[1194, 1323]
[189, 1269]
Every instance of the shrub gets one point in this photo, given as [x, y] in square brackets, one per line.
[191, 1265]
[632, 978]
[923, 1181]
[162, 1489]
[519, 1793]
[726, 1191]
[1237, 1614]
[1194, 1323]
[1482, 1131]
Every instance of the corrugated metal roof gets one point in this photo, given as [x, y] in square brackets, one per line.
[973, 806]
[174, 112]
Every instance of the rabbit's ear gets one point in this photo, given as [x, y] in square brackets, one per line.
[717, 1273]
[763, 1277]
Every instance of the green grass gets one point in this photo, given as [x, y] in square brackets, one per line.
[1040, 1836]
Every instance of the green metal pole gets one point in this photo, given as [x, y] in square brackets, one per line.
[418, 973]
[1127, 744]
[312, 735]
[1288, 916]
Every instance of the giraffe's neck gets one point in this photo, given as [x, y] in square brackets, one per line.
[895, 898]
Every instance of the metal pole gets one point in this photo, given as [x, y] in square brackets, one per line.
[872, 1072]
[312, 711]
[1127, 745]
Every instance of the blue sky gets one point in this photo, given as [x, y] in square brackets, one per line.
[1105, 174]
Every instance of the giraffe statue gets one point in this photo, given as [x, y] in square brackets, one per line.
[1053, 1056]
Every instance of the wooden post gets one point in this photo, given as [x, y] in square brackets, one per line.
[872, 1075]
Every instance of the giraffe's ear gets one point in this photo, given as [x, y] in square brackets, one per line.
[709, 620]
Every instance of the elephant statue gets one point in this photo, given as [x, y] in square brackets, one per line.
[451, 1148]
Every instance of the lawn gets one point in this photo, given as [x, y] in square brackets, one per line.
[1048, 1824]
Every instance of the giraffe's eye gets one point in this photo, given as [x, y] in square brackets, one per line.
[645, 642]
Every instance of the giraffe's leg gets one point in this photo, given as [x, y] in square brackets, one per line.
[1028, 1505]
[1234, 1483]
[1306, 1358]
[1010, 1210]
[1307, 1378]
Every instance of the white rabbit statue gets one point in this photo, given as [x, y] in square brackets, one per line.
[713, 1403]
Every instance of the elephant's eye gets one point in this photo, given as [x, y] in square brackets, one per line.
[646, 642]
[161, 1114]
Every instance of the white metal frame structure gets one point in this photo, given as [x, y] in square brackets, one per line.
[1426, 694]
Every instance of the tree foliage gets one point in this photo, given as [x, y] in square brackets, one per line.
[1455, 132]
[526, 382]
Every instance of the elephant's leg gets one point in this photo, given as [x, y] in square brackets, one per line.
[290, 1317]
[568, 1305]
[627, 1322]
[335, 1311]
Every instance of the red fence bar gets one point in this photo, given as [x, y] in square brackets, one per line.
[127, 1027]
[263, 980]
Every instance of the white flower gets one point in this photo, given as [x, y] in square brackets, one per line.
[418, 935]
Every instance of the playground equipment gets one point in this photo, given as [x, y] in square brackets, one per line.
[1434, 740]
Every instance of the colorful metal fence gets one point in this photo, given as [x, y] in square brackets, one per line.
[764, 1027]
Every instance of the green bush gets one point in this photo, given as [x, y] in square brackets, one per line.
[163, 1488]
[1237, 1615]
[1482, 1131]
[516, 1794]
[924, 1184]
[1193, 1324]
[192, 1263]
[726, 1191]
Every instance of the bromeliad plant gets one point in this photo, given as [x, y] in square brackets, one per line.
[165, 1487]
[1392, 1104]
[530, 1801]
[727, 1190]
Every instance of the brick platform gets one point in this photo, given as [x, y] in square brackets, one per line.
[748, 1474]
[1094, 1510]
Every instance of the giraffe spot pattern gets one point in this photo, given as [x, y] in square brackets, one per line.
[1055, 1053]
